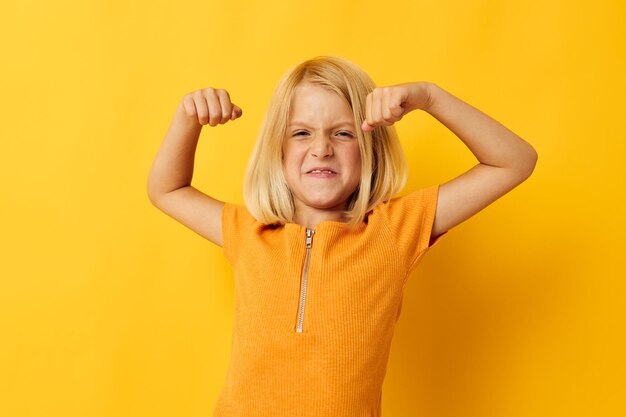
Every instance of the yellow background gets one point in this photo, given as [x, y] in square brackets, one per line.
[110, 308]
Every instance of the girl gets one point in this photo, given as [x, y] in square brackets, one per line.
[321, 251]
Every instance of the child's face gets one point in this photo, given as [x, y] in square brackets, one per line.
[321, 134]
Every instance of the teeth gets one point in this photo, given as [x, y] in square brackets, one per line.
[325, 170]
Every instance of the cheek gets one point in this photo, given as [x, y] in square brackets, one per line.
[355, 161]
[286, 156]
[290, 160]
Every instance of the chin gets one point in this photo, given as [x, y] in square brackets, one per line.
[323, 203]
[326, 202]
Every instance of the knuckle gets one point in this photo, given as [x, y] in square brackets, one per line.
[207, 93]
[202, 116]
[214, 120]
[222, 92]
[215, 113]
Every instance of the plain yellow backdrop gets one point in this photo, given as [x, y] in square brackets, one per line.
[110, 308]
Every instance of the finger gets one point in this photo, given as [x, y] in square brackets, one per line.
[399, 98]
[386, 105]
[365, 127]
[227, 107]
[188, 106]
[201, 108]
[236, 113]
[215, 108]
[384, 117]
[376, 107]
[368, 110]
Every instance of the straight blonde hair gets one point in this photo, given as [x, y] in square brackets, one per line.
[383, 164]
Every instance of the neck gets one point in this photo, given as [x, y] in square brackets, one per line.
[310, 218]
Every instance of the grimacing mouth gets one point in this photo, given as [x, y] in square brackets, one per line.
[322, 170]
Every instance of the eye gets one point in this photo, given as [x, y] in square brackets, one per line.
[298, 133]
[346, 134]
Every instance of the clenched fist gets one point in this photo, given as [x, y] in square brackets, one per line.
[386, 105]
[210, 106]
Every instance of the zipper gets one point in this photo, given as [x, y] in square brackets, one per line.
[305, 273]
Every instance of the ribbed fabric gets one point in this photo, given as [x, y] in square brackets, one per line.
[336, 366]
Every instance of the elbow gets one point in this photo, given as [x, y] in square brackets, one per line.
[152, 190]
[533, 159]
[530, 163]
[151, 193]
[151, 197]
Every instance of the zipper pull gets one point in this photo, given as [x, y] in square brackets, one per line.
[309, 238]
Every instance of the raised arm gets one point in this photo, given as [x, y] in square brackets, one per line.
[505, 159]
[169, 181]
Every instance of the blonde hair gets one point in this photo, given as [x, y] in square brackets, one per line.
[383, 164]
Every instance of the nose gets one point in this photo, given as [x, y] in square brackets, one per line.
[321, 147]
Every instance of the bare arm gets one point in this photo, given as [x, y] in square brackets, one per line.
[505, 159]
[169, 181]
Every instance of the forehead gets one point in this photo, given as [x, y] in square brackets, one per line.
[308, 89]
[316, 103]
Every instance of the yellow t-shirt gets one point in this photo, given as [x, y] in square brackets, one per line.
[312, 333]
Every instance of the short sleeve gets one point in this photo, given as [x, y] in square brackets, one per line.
[411, 218]
[236, 220]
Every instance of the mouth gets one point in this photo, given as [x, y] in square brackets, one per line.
[321, 171]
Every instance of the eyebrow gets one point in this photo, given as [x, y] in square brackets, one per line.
[343, 123]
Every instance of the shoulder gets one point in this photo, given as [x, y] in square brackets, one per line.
[410, 219]
[412, 203]
[233, 213]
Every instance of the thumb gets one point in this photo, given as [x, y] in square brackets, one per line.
[237, 112]
[366, 127]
